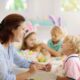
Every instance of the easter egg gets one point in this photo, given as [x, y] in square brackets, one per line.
[30, 52]
[41, 59]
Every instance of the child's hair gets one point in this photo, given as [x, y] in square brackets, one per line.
[56, 30]
[75, 41]
[24, 44]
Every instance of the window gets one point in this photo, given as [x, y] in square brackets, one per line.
[70, 5]
[16, 5]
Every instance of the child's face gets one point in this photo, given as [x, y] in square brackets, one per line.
[30, 41]
[56, 37]
[66, 47]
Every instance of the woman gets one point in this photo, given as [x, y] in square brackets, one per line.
[12, 28]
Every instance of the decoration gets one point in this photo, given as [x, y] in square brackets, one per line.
[41, 58]
[70, 5]
[32, 28]
[33, 56]
[55, 20]
[18, 5]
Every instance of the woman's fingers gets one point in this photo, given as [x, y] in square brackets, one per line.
[33, 68]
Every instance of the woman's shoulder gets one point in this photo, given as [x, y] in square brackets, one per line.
[12, 46]
[1, 51]
[1, 48]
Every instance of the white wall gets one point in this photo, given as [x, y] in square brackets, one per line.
[71, 21]
[42, 8]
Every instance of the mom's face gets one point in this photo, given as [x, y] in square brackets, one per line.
[19, 32]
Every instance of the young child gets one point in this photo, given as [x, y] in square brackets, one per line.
[32, 48]
[71, 48]
[28, 41]
[55, 42]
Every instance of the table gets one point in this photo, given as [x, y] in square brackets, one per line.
[42, 75]
[56, 66]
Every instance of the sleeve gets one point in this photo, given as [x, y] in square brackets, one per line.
[60, 46]
[20, 61]
[48, 43]
[3, 69]
[71, 69]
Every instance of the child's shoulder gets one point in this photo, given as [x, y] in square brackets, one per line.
[72, 59]
[49, 42]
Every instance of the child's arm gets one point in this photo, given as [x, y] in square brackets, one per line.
[52, 52]
[45, 52]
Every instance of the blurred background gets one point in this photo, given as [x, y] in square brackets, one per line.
[38, 12]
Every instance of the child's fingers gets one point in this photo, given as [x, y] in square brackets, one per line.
[48, 67]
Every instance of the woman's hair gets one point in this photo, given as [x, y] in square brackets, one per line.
[9, 23]
[24, 44]
[56, 30]
[75, 41]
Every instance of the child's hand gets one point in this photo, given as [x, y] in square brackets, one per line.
[47, 67]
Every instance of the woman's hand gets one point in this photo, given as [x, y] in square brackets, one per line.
[33, 68]
[59, 78]
[26, 75]
[38, 66]
[62, 78]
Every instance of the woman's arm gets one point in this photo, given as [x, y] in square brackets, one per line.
[23, 76]
[26, 75]
[20, 61]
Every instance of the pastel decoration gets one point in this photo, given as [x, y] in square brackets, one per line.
[36, 27]
[29, 26]
[51, 18]
[31, 52]
[55, 20]
[16, 5]
[41, 58]
[59, 21]
[32, 28]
